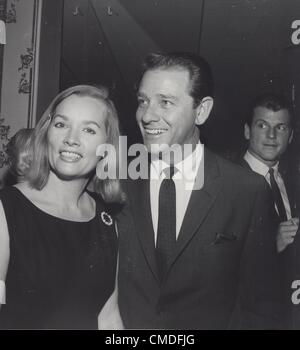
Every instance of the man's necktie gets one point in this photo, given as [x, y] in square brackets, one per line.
[166, 230]
[277, 196]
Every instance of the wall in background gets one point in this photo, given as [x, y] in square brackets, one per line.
[18, 71]
[245, 42]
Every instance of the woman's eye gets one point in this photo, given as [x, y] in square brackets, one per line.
[59, 124]
[90, 131]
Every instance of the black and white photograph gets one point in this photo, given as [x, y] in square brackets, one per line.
[150, 167]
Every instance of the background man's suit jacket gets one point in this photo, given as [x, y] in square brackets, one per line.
[287, 258]
[223, 271]
[288, 182]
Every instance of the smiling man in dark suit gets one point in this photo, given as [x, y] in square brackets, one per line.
[195, 240]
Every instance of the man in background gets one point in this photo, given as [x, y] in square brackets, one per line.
[269, 131]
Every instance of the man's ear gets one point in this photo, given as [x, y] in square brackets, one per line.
[203, 110]
[291, 136]
[247, 131]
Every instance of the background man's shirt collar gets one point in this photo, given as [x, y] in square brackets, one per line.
[258, 166]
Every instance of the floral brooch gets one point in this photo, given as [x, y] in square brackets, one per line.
[106, 218]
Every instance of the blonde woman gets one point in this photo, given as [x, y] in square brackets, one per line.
[58, 241]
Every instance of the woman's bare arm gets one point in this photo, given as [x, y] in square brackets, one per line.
[4, 252]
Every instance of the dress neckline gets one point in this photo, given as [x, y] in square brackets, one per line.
[21, 194]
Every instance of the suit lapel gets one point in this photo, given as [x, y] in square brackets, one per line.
[199, 205]
[244, 164]
[200, 202]
[141, 207]
[285, 178]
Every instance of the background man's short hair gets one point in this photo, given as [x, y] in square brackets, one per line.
[273, 102]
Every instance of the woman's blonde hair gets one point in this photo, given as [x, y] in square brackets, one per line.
[37, 177]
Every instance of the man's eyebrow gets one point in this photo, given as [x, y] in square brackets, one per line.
[140, 94]
[267, 122]
[283, 123]
[172, 97]
[261, 120]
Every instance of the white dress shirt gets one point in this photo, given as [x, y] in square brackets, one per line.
[184, 179]
[262, 169]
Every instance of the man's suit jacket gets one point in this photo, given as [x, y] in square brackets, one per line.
[288, 259]
[288, 183]
[222, 273]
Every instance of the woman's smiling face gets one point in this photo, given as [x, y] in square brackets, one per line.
[76, 130]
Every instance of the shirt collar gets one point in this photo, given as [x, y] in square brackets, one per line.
[186, 169]
[258, 166]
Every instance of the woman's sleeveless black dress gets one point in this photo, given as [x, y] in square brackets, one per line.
[60, 272]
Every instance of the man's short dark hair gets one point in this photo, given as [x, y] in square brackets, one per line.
[201, 77]
[273, 102]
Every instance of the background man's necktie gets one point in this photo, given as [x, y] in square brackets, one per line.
[277, 196]
[166, 230]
